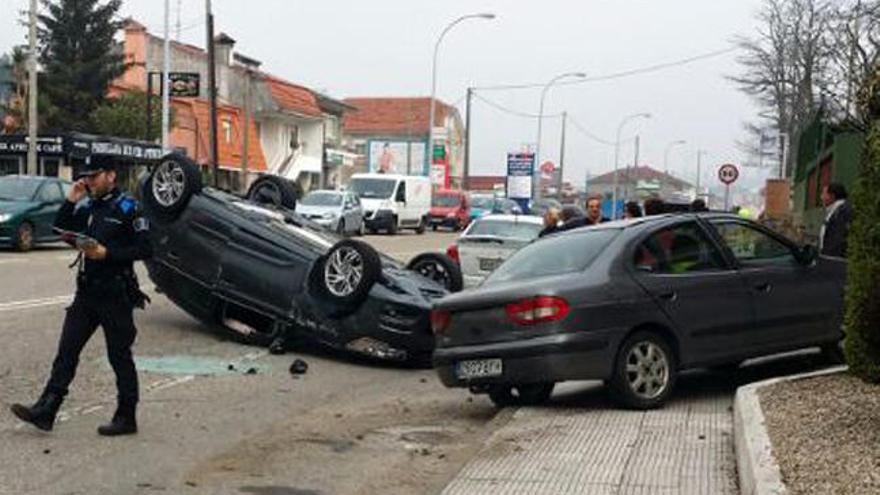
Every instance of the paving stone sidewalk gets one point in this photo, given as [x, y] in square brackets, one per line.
[684, 448]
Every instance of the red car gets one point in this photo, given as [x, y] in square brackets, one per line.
[449, 208]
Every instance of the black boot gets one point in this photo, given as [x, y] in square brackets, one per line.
[123, 423]
[42, 413]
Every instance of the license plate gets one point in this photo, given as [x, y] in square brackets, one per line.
[478, 368]
[489, 264]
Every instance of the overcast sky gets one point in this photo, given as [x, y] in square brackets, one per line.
[384, 48]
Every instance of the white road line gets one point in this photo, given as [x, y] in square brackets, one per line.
[46, 301]
[13, 260]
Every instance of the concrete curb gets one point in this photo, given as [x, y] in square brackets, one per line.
[757, 468]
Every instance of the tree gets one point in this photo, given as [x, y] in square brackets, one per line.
[15, 106]
[862, 319]
[79, 57]
[125, 116]
[784, 65]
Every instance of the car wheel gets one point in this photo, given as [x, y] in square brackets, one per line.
[644, 371]
[361, 230]
[526, 394]
[170, 186]
[434, 227]
[340, 227]
[271, 190]
[420, 229]
[347, 272]
[392, 229]
[439, 268]
[24, 237]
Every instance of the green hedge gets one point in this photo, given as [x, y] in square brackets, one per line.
[862, 319]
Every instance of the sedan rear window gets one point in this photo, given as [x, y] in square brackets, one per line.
[505, 228]
[554, 255]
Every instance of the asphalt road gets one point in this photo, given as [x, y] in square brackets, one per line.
[221, 418]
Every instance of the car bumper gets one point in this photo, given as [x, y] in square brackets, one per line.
[552, 358]
[450, 222]
[380, 220]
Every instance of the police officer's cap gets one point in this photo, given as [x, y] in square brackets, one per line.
[96, 164]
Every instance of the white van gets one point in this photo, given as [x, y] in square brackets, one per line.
[393, 202]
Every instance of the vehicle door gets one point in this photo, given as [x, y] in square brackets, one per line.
[683, 270]
[349, 213]
[400, 203]
[51, 197]
[791, 300]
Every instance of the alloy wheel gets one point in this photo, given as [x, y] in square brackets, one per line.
[168, 183]
[647, 370]
[343, 271]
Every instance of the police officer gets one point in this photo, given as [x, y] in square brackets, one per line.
[115, 235]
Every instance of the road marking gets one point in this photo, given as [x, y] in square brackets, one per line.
[13, 260]
[45, 301]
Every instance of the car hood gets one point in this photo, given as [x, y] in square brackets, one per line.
[316, 210]
[371, 204]
[442, 210]
[7, 206]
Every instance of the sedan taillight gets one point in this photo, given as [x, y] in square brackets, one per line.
[452, 252]
[440, 320]
[538, 309]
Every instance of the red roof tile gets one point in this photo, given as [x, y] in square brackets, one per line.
[644, 173]
[229, 153]
[392, 116]
[293, 97]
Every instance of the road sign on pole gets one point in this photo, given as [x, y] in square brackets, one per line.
[727, 174]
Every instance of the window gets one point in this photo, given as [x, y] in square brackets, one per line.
[751, 247]
[50, 193]
[294, 137]
[675, 250]
[401, 192]
[226, 124]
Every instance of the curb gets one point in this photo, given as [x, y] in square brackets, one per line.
[756, 466]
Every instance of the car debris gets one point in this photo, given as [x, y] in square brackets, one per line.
[299, 367]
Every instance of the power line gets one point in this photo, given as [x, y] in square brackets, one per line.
[511, 111]
[616, 75]
[577, 125]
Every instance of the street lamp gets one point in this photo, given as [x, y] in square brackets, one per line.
[666, 154]
[434, 76]
[537, 173]
[643, 115]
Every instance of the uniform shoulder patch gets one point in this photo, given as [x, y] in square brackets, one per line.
[126, 204]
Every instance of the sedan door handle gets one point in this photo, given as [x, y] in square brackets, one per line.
[763, 287]
[670, 296]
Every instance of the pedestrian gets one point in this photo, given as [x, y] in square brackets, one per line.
[632, 210]
[551, 222]
[653, 206]
[571, 212]
[838, 217]
[698, 205]
[110, 234]
[593, 217]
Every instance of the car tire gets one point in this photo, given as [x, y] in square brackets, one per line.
[439, 268]
[340, 227]
[434, 227]
[333, 275]
[24, 237]
[361, 230]
[271, 190]
[171, 185]
[392, 229]
[524, 394]
[420, 228]
[644, 372]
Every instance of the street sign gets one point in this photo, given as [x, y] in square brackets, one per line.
[728, 173]
[520, 171]
[182, 84]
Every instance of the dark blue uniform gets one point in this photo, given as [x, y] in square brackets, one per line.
[106, 291]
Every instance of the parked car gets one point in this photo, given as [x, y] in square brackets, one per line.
[449, 208]
[393, 202]
[28, 206]
[506, 206]
[635, 302]
[481, 204]
[339, 211]
[540, 206]
[490, 240]
[265, 275]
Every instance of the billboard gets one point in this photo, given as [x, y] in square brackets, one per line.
[397, 157]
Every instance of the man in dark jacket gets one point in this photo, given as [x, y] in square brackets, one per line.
[110, 234]
[838, 218]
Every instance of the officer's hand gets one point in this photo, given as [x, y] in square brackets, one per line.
[77, 192]
[95, 251]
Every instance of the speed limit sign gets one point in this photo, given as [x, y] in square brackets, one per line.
[728, 173]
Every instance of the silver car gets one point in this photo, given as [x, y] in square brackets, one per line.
[489, 240]
[339, 211]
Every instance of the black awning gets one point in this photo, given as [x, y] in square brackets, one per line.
[81, 146]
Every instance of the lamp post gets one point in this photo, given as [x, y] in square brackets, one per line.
[643, 115]
[666, 154]
[434, 76]
[536, 174]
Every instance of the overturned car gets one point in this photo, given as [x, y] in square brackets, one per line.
[258, 271]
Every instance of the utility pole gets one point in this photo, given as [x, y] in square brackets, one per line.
[635, 164]
[699, 170]
[467, 140]
[166, 68]
[245, 140]
[212, 92]
[32, 91]
[561, 156]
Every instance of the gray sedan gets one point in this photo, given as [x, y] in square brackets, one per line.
[339, 211]
[633, 303]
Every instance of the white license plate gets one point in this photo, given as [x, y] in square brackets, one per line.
[489, 264]
[478, 368]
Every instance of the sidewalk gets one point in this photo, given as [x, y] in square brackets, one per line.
[581, 444]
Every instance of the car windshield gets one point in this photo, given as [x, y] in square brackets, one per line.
[17, 188]
[373, 188]
[446, 200]
[322, 199]
[505, 228]
[554, 255]
[484, 202]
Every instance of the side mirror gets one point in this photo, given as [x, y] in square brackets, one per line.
[807, 255]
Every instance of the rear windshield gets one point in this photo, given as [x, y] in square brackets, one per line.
[505, 228]
[554, 255]
[373, 188]
[322, 199]
[446, 200]
[482, 202]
